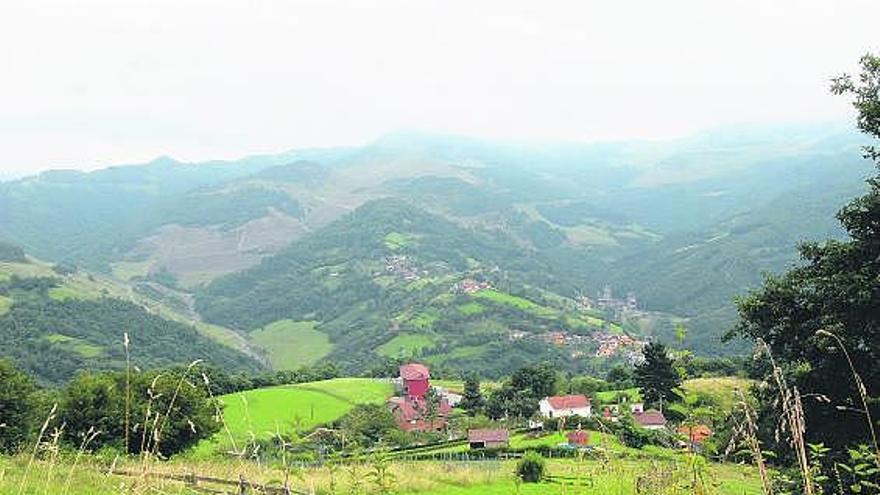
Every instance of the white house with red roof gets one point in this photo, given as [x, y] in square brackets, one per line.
[561, 406]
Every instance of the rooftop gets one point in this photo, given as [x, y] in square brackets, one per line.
[650, 417]
[414, 371]
[488, 435]
[568, 401]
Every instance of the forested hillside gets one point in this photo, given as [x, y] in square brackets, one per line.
[360, 249]
[58, 321]
[53, 339]
[383, 279]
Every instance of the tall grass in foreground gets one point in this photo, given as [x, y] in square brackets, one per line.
[609, 471]
[571, 477]
[815, 477]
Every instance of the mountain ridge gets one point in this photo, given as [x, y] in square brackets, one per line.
[684, 224]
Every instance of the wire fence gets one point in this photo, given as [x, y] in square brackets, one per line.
[214, 485]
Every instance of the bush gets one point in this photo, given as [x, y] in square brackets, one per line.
[367, 424]
[633, 435]
[569, 423]
[181, 411]
[530, 468]
[17, 408]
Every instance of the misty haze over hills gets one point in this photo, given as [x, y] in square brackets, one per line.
[315, 235]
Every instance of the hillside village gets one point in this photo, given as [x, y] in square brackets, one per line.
[423, 408]
[394, 247]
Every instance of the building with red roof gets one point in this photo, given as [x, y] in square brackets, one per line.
[412, 411]
[651, 419]
[696, 434]
[561, 406]
[416, 379]
[485, 438]
[414, 414]
[578, 438]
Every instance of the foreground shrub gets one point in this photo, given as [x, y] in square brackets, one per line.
[530, 468]
[168, 411]
[17, 407]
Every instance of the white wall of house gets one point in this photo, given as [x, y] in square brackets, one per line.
[654, 427]
[549, 411]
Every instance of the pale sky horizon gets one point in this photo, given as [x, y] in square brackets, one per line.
[87, 84]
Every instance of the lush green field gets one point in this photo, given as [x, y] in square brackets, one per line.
[609, 396]
[721, 390]
[471, 308]
[66, 292]
[515, 301]
[292, 344]
[127, 270]
[424, 319]
[78, 346]
[261, 413]
[405, 345]
[486, 386]
[5, 304]
[396, 240]
[467, 351]
[565, 477]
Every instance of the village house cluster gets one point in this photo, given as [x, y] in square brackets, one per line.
[605, 301]
[470, 286]
[562, 338]
[609, 344]
[403, 267]
[419, 407]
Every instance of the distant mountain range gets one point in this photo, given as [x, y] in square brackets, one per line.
[367, 244]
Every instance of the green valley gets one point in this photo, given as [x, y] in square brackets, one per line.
[291, 344]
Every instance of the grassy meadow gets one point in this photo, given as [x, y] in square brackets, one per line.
[721, 390]
[292, 344]
[405, 345]
[261, 413]
[5, 304]
[612, 468]
[564, 477]
[515, 301]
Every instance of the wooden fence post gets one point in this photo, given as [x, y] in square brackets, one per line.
[191, 480]
[242, 485]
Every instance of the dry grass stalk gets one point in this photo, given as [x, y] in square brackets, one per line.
[125, 343]
[145, 427]
[180, 382]
[87, 439]
[792, 421]
[863, 392]
[33, 456]
[749, 431]
[53, 449]
[218, 415]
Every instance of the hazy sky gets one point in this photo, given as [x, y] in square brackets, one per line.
[88, 83]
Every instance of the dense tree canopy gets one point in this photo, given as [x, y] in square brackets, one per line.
[54, 339]
[819, 315]
[169, 411]
[10, 252]
[18, 407]
[472, 400]
[656, 376]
